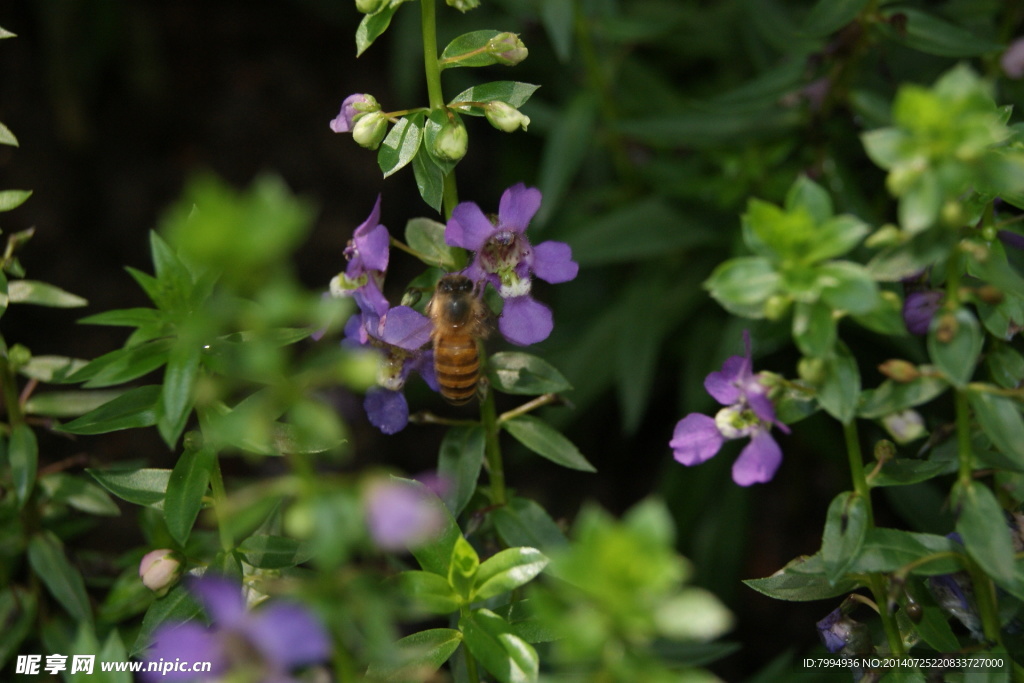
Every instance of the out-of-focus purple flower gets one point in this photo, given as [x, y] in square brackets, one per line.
[919, 308]
[351, 107]
[841, 634]
[367, 254]
[1012, 60]
[505, 258]
[748, 412]
[260, 645]
[400, 334]
[1011, 239]
[400, 515]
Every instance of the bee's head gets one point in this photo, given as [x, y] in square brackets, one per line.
[455, 284]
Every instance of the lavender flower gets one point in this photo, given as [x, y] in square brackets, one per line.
[262, 645]
[748, 412]
[399, 515]
[505, 258]
[367, 255]
[351, 108]
[919, 308]
[1012, 60]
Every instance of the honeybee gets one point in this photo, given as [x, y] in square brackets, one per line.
[459, 319]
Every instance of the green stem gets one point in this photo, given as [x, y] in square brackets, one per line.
[10, 388]
[450, 196]
[428, 27]
[492, 449]
[965, 471]
[220, 497]
[985, 597]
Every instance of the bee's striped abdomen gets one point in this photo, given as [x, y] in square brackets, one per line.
[457, 365]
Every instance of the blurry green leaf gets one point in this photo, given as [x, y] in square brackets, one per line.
[177, 607]
[884, 146]
[995, 269]
[888, 550]
[1001, 421]
[839, 391]
[1006, 365]
[17, 613]
[429, 179]
[428, 591]
[186, 488]
[523, 522]
[123, 365]
[144, 486]
[892, 397]
[113, 650]
[427, 237]
[930, 34]
[65, 583]
[50, 368]
[7, 138]
[886, 318]
[957, 356]
[132, 409]
[909, 258]
[811, 196]
[507, 570]
[846, 525]
[176, 398]
[828, 16]
[921, 202]
[12, 199]
[546, 441]
[401, 144]
[796, 583]
[373, 25]
[566, 147]
[512, 93]
[23, 458]
[267, 551]
[435, 555]
[125, 317]
[847, 286]
[472, 42]
[521, 617]
[814, 329]
[417, 655]
[935, 630]
[709, 129]
[981, 524]
[42, 294]
[743, 285]
[902, 471]
[80, 494]
[67, 403]
[515, 372]
[557, 18]
[463, 567]
[459, 461]
[505, 655]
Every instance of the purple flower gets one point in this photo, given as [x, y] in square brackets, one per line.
[265, 644]
[400, 515]
[367, 255]
[353, 106]
[840, 633]
[400, 333]
[505, 258]
[919, 308]
[748, 412]
[1012, 60]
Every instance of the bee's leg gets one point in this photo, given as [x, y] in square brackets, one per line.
[483, 387]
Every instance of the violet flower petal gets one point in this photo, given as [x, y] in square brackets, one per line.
[518, 206]
[373, 246]
[288, 635]
[189, 641]
[722, 384]
[387, 410]
[404, 327]
[468, 227]
[524, 321]
[758, 461]
[918, 310]
[827, 630]
[423, 363]
[1012, 60]
[221, 597]
[552, 262]
[342, 123]
[399, 515]
[696, 439]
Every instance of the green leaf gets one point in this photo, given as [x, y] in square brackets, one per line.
[930, 34]
[466, 44]
[463, 567]
[42, 294]
[884, 146]
[123, 365]
[427, 237]
[12, 199]
[903, 471]
[177, 607]
[982, 526]
[435, 555]
[558, 18]
[23, 458]
[417, 656]
[957, 355]
[846, 525]
[437, 121]
[1001, 421]
[401, 144]
[565, 149]
[65, 583]
[459, 461]
[814, 329]
[267, 551]
[79, 493]
[921, 202]
[17, 612]
[801, 580]
[828, 16]
[429, 179]
[515, 372]
[429, 592]
[892, 397]
[888, 550]
[1006, 365]
[51, 368]
[511, 93]
[125, 317]
[6, 138]
[132, 409]
[176, 394]
[743, 285]
[547, 442]
[373, 26]
[505, 655]
[507, 570]
[847, 286]
[67, 403]
[186, 487]
[811, 196]
[145, 486]
[520, 615]
[523, 522]
[839, 391]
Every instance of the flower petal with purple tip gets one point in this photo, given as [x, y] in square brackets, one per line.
[518, 205]
[405, 328]
[696, 439]
[918, 310]
[342, 123]
[288, 635]
[524, 321]
[221, 598]
[468, 227]
[723, 385]
[552, 262]
[387, 410]
[758, 461]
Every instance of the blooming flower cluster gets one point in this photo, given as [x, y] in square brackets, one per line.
[748, 412]
[503, 256]
[263, 645]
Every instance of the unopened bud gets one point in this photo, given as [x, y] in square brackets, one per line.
[507, 49]
[947, 328]
[953, 213]
[885, 450]
[899, 370]
[369, 129]
[811, 370]
[370, 6]
[505, 117]
[904, 426]
[886, 236]
[776, 306]
[159, 570]
[463, 5]
[451, 142]
[989, 294]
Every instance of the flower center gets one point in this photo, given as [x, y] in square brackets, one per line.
[389, 373]
[733, 422]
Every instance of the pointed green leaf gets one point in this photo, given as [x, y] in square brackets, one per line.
[429, 179]
[828, 16]
[490, 639]
[67, 403]
[839, 391]
[892, 397]
[515, 372]
[79, 493]
[125, 317]
[176, 398]
[7, 138]
[417, 655]
[123, 365]
[801, 580]
[428, 591]
[427, 237]
[12, 199]
[267, 551]
[132, 409]
[186, 487]
[523, 522]
[507, 570]
[401, 144]
[459, 461]
[510, 92]
[547, 442]
[888, 550]
[956, 354]
[1001, 420]
[373, 26]
[846, 525]
[982, 525]
[65, 583]
[177, 607]
[23, 458]
[743, 285]
[928, 33]
[145, 486]
[42, 294]
[469, 49]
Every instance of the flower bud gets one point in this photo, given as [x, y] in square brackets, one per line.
[904, 426]
[776, 306]
[463, 5]
[899, 370]
[989, 295]
[885, 450]
[505, 117]
[369, 129]
[352, 107]
[451, 142]
[507, 49]
[886, 236]
[811, 370]
[159, 570]
[370, 6]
